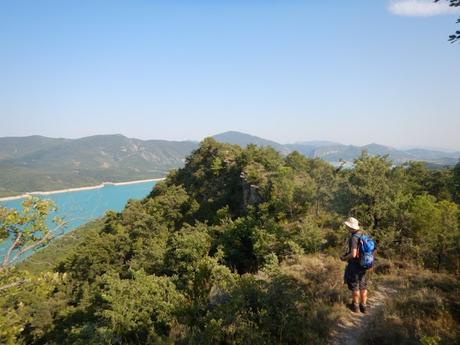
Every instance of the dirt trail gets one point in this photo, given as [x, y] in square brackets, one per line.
[349, 330]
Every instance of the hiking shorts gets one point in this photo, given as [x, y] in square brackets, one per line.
[355, 277]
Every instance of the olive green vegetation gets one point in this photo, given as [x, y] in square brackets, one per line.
[240, 246]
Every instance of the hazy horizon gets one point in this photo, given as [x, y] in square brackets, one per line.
[408, 147]
[355, 72]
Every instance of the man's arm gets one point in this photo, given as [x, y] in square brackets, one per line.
[354, 250]
[353, 254]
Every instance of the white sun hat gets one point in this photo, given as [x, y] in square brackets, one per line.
[352, 223]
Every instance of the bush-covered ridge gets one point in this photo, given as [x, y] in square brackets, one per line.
[237, 247]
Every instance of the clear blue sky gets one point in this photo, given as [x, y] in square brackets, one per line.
[349, 71]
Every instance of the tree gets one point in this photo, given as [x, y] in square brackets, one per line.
[456, 183]
[27, 229]
[441, 184]
[323, 176]
[139, 310]
[456, 36]
[27, 310]
[291, 193]
[369, 193]
[417, 177]
[434, 230]
[212, 178]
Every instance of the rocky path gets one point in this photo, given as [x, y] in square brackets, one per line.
[349, 330]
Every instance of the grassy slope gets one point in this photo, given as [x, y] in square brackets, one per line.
[425, 309]
[47, 258]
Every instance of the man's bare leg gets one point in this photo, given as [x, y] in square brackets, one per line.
[354, 306]
[356, 297]
[363, 294]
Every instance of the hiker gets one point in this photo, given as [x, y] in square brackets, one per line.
[355, 274]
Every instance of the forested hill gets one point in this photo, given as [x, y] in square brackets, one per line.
[241, 246]
[39, 163]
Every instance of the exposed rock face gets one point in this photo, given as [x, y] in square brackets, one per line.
[252, 194]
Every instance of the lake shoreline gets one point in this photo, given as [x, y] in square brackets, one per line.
[77, 189]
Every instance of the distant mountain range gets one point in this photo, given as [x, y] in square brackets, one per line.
[40, 163]
[335, 152]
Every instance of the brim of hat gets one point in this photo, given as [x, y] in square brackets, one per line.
[355, 227]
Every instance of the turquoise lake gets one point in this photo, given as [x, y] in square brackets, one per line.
[79, 207]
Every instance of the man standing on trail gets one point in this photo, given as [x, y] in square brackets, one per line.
[355, 275]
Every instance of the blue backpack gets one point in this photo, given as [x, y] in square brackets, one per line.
[366, 248]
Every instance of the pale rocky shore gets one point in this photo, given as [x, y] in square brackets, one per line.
[26, 195]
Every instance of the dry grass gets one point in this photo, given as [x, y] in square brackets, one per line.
[426, 309]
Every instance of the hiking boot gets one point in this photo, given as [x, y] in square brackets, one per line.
[353, 307]
[363, 308]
